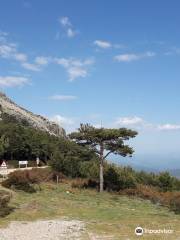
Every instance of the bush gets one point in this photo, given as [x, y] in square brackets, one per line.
[146, 178]
[79, 183]
[45, 175]
[54, 176]
[165, 181]
[89, 169]
[41, 174]
[175, 203]
[26, 179]
[84, 183]
[68, 158]
[176, 184]
[22, 180]
[4, 198]
[117, 178]
[68, 165]
[4, 201]
[167, 199]
[145, 192]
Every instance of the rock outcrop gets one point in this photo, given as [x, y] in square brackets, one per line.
[9, 109]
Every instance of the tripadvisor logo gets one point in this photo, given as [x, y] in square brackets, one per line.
[139, 231]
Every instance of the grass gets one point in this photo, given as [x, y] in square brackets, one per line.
[105, 214]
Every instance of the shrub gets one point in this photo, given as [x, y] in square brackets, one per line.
[22, 180]
[168, 199]
[45, 174]
[165, 181]
[26, 179]
[68, 165]
[84, 183]
[4, 200]
[89, 169]
[175, 203]
[176, 184]
[79, 183]
[54, 176]
[41, 174]
[145, 192]
[117, 178]
[146, 178]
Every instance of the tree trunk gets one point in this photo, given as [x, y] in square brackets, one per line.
[101, 175]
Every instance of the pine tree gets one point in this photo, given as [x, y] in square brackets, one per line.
[103, 142]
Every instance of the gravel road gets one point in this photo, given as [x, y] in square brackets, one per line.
[43, 230]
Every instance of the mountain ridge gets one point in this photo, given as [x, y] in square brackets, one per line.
[9, 109]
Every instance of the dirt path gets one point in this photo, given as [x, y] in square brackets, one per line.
[43, 230]
[10, 170]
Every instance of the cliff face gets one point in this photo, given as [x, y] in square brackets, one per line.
[9, 109]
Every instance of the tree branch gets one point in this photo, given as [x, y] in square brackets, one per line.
[107, 154]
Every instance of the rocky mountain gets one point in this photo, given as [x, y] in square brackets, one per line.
[13, 112]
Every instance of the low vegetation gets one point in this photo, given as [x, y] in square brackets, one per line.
[4, 201]
[25, 143]
[108, 214]
[122, 180]
[167, 199]
[70, 185]
[29, 180]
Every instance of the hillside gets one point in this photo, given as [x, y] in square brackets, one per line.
[10, 111]
[104, 216]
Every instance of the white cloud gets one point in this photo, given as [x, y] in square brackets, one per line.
[129, 121]
[133, 57]
[139, 123]
[63, 62]
[63, 97]
[62, 121]
[71, 33]
[169, 127]
[21, 57]
[64, 21]
[30, 66]
[67, 25]
[107, 45]
[10, 51]
[41, 60]
[126, 57]
[7, 51]
[75, 67]
[11, 81]
[76, 72]
[37, 65]
[103, 44]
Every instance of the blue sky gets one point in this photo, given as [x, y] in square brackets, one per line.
[110, 62]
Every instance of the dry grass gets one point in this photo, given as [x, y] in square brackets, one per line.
[104, 214]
